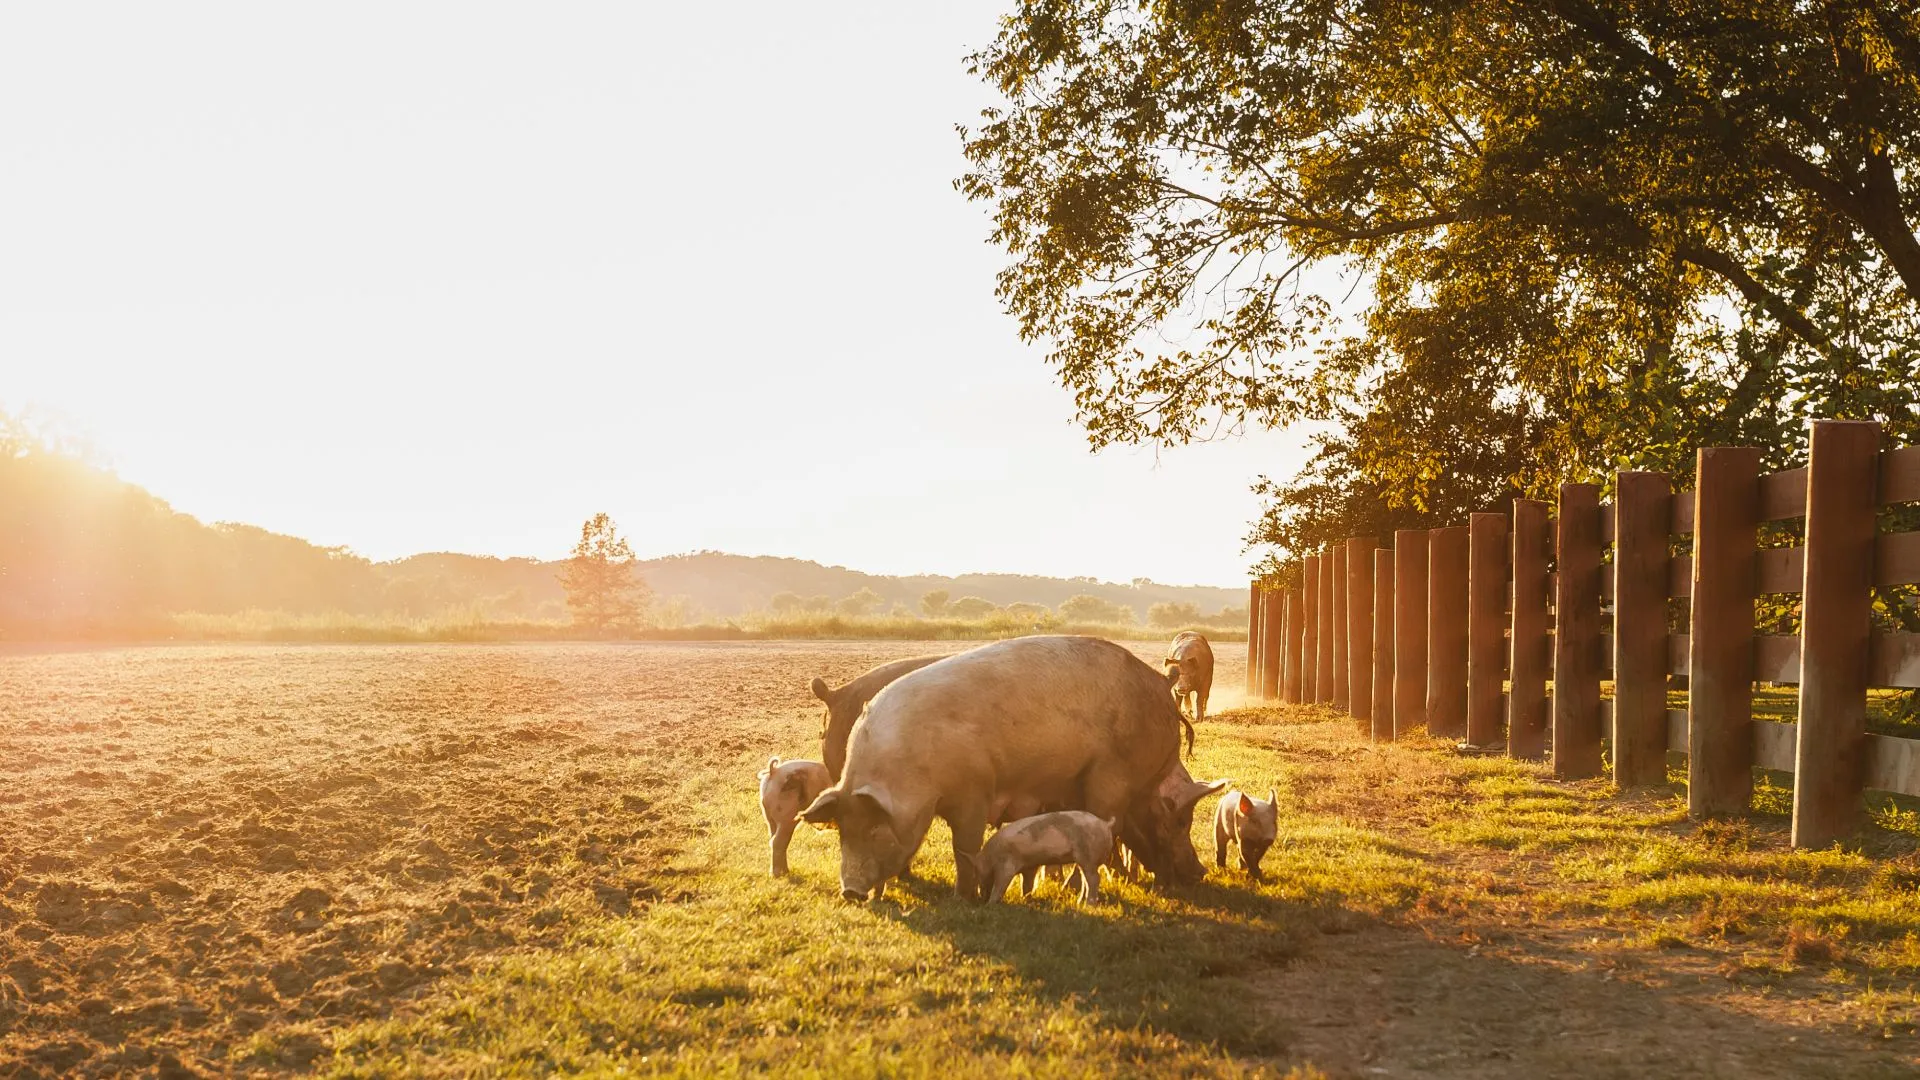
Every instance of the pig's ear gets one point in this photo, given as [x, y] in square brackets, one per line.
[1173, 672]
[1246, 804]
[876, 799]
[821, 691]
[825, 809]
[1195, 792]
[1273, 799]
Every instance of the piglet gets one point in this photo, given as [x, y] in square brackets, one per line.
[1064, 836]
[786, 788]
[1248, 821]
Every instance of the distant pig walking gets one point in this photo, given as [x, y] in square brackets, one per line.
[1250, 822]
[1063, 837]
[786, 788]
[1189, 666]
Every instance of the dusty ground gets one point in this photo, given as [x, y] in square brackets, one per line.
[199, 845]
[211, 859]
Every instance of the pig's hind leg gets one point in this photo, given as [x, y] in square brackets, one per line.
[782, 836]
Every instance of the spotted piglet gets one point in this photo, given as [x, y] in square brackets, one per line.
[1249, 822]
[786, 788]
[1062, 837]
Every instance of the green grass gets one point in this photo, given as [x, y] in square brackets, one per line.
[739, 974]
[1637, 862]
[744, 974]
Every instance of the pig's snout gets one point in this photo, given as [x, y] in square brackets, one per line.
[855, 895]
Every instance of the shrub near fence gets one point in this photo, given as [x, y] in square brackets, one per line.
[1579, 592]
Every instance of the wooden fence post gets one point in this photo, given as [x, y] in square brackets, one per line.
[1296, 617]
[1836, 623]
[1527, 666]
[1642, 557]
[1360, 630]
[1342, 586]
[1310, 630]
[1576, 635]
[1323, 661]
[1447, 631]
[1253, 640]
[1270, 637]
[1486, 626]
[1720, 647]
[1409, 629]
[1383, 632]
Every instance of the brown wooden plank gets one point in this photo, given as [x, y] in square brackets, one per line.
[1893, 764]
[1680, 576]
[1575, 707]
[1783, 494]
[1293, 645]
[1836, 620]
[1720, 623]
[1310, 645]
[1779, 570]
[1606, 523]
[1893, 660]
[1409, 629]
[1776, 658]
[1359, 651]
[1447, 631]
[1677, 730]
[1773, 744]
[1676, 655]
[1382, 660]
[1273, 630]
[1527, 715]
[1606, 655]
[1896, 558]
[1682, 513]
[1486, 629]
[1253, 639]
[1899, 475]
[1336, 677]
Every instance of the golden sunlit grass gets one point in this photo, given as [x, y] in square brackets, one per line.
[549, 858]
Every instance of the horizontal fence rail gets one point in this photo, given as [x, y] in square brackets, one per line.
[1502, 630]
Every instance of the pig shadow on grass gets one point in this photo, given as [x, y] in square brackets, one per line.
[1311, 979]
[1140, 965]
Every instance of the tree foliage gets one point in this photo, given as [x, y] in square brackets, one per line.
[933, 603]
[1170, 614]
[1580, 237]
[1087, 608]
[862, 602]
[971, 607]
[603, 591]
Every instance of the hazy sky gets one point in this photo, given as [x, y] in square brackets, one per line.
[410, 277]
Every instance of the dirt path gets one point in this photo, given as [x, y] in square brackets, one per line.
[1485, 977]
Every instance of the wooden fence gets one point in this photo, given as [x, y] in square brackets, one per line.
[1506, 631]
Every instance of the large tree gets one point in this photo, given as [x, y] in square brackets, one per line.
[1576, 236]
[604, 591]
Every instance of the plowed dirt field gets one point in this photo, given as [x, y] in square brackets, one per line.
[210, 857]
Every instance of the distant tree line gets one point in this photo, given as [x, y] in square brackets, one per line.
[1082, 608]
